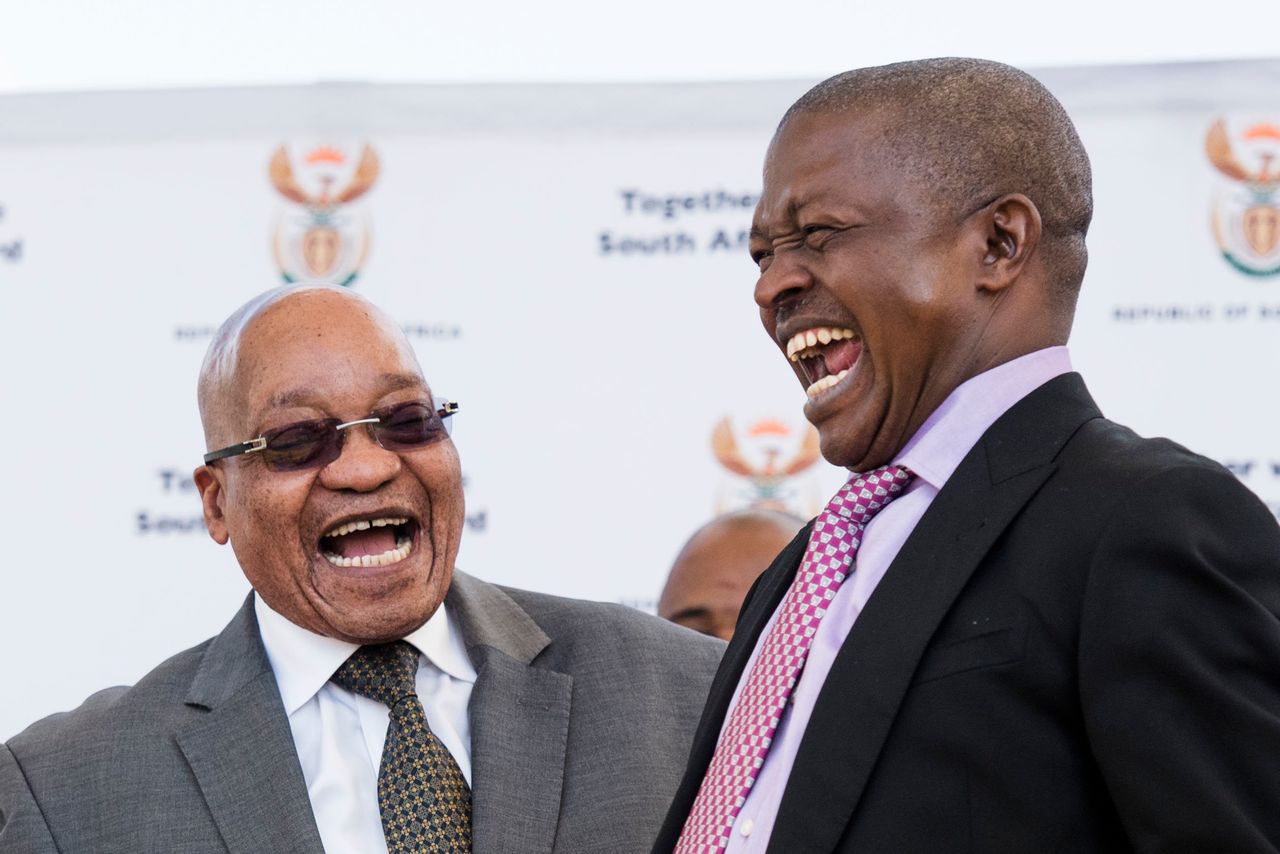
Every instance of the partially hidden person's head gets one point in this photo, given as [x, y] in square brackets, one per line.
[717, 566]
[919, 224]
[331, 471]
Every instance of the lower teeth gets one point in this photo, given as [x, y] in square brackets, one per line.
[404, 545]
[825, 383]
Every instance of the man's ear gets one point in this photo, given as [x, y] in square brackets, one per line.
[1012, 230]
[209, 482]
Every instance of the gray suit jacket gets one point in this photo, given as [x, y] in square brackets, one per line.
[581, 720]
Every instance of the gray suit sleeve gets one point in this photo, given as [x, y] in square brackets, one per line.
[22, 826]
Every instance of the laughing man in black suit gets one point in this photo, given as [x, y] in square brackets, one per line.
[1058, 636]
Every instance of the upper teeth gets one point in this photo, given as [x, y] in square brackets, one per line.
[364, 525]
[802, 342]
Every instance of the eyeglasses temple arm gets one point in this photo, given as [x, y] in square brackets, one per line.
[242, 448]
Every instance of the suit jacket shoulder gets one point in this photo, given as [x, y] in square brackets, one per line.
[81, 756]
[582, 717]
[1178, 643]
[602, 635]
[113, 710]
[196, 757]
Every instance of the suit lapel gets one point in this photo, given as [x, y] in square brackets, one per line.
[519, 722]
[769, 591]
[760, 604]
[241, 749]
[869, 677]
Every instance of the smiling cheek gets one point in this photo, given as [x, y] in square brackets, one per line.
[441, 478]
[266, 536]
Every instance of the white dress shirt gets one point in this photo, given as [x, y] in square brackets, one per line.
[339, 735]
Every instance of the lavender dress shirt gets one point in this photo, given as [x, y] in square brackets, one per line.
[933, 453]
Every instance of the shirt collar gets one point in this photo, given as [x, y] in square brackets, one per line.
[947, 436]
[303, 661]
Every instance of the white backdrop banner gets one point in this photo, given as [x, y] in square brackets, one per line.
[570, 264]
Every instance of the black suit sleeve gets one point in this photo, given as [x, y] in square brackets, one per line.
[1180, 664]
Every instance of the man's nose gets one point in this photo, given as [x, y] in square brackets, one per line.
[363, 465]
[786, 278]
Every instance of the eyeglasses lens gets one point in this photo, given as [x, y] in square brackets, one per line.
[409, 426]
[314, 444]
[304, 445]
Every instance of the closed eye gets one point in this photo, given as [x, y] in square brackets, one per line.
[763, 253]
[815, 234]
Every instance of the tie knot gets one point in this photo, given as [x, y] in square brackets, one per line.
[384, 672]
[864, 495]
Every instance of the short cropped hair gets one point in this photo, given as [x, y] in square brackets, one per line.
[969, 131]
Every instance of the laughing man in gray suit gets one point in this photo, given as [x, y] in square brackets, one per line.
[365, 688]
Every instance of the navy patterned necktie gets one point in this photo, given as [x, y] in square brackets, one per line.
[424, 799]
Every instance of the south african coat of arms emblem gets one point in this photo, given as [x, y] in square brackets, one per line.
[323, 235]
[1246, 207]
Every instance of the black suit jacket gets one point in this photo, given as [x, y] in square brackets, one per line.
[1077, 649]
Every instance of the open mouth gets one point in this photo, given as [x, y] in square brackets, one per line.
[825, 354]
[379, 541]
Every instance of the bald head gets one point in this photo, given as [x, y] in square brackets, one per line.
[969, 131]
[232, 349]
[718, 565]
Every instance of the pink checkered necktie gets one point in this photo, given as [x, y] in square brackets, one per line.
[833, 543]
